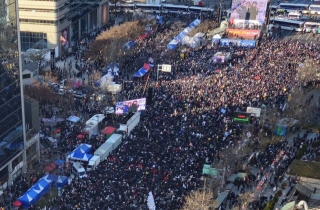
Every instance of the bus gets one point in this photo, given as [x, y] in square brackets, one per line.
[286, 24]
[175, 8]
[314, 9]
[311, 26]
[303, 8]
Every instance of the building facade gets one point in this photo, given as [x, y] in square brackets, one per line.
[15, 141]
[56, 23]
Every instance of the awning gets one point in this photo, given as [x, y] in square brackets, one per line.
[108, 130]
[232, 178]
[141, 72]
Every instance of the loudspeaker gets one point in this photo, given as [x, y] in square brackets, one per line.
[149, 97]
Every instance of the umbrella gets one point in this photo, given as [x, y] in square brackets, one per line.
[48, 168]
[17, 203]
[80, 136]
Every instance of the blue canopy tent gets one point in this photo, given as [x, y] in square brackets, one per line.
[62, 181]
[29, 198]
[79, 154]
[59, 181]
[87, 148]
[41, 187]
[58, 162]
[174, 43]
[35, 193]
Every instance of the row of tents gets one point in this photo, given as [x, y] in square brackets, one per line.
[40, 188]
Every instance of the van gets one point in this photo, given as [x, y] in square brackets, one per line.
[78, 170]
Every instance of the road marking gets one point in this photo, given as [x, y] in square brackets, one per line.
[308, 36]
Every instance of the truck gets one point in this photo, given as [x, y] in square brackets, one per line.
[115, 140]
[93, 124]
[93, 163]
[128, 124]
[78, 170]
[103, 151]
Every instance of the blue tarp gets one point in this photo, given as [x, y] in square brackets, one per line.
[58, 162]
[238, 42]
[87, 148]
[35, 193]
[174, 43]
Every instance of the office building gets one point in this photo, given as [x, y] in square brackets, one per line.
[54, 24]
[16, 144]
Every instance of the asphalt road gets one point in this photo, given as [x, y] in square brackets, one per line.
[307, 37]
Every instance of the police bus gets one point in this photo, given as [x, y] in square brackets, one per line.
[302, 8]
[286, 24]
[311, 26]
[151, 8]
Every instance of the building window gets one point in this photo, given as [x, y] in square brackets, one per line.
[26, 76]
[39, 22]
[33, 40]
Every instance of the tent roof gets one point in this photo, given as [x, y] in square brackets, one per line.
[108, 130]
[289, 206]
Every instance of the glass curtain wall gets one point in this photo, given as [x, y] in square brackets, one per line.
[11, 130]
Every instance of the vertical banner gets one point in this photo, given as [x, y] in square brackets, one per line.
[104, 13]
[64, 36]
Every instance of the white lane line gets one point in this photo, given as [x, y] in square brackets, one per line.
[309, 36]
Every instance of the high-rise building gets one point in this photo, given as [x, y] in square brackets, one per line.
[54, 24]
[14, 140]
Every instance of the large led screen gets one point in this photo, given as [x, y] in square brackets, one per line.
[131, 106]
[248, 11]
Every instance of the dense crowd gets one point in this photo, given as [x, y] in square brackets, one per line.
[189, 122]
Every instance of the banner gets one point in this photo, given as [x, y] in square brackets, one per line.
[243, 33]
[249, 11]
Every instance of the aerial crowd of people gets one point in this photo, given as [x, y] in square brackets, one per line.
[189, 122]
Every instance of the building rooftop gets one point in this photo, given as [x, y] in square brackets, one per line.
[305, 169]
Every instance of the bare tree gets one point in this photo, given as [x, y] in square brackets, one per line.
[198, 200]
[245, 199]
[308, 70]
[203, 27]
[110, 43]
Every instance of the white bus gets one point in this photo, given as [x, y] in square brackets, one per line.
[311, 26]
[314, 9]
[286, 24]
[303, 8]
